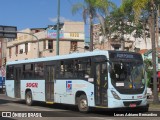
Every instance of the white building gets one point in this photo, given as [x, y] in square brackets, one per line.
[43, 42]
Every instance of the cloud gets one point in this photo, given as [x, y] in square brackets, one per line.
[62, 19]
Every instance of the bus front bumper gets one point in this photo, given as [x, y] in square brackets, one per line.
[114, 103]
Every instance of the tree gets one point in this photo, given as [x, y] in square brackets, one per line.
[138, 6]
[148, 66]
[91, 8]
[122, 22]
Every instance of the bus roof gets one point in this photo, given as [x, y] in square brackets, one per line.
[60, 57]
[68, 56]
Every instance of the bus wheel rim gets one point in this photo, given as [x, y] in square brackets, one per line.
[29, 98]
[83, 104]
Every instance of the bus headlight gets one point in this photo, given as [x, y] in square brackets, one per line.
[115, 95]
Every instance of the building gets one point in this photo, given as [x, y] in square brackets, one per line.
[3, 48]
[130, 42]
[41, 42]
[147, 54]
[2, 63]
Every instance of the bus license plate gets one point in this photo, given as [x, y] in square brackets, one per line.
[132, 105]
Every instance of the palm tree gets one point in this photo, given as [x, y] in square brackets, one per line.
[90, 9]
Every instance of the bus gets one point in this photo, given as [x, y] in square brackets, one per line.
[98, 79]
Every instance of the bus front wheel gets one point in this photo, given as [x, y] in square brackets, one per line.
[29, 100]
[83, 104]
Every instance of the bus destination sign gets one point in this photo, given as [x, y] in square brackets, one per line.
[124, 55]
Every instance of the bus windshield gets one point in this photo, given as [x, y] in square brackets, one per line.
[127, 74]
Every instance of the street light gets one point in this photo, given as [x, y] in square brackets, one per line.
[57, 41]
[28, 34]
[33, 36]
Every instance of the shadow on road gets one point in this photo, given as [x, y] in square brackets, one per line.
[6, 118]
[72, 111]
[2, 101]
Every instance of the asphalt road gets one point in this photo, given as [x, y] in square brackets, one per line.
[42, 111]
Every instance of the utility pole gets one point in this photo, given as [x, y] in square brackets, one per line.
[155, 92]
[57, 41]
[157, 28]
[91, 34]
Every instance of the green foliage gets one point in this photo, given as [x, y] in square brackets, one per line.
[148, 64]
[105, 6]
[138, 6]
[88, 8]
[94, 9]
[124, 6]
[122, 19]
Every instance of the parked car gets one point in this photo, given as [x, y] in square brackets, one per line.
[149, 93]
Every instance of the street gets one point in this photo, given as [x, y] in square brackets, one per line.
[19, 109]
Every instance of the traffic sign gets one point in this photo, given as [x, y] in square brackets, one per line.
[8, 31]
[3, 71]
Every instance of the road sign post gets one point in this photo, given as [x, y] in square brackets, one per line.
[7, 32]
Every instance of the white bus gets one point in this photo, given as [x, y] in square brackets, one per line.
[107, 79]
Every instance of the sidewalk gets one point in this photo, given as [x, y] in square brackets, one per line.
[153, 106]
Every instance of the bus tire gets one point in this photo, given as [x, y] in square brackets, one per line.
[28, 98]
[83, 104]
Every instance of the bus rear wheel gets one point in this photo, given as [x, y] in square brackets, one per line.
[83, 104]
[28, 98]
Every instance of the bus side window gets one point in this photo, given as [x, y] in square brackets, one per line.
[28, 72]
[83, 67]
[65, 69]
[39, 70]
[68, 69]
[104, 72]
[10, 71]
[74, 68]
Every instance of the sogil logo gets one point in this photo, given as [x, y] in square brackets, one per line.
[33, 85]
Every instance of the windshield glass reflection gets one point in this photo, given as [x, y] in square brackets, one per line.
[129, 75]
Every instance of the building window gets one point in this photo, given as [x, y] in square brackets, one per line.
[26, 48]
[10, 52]
[16, 52]
[36, 31]
[20, 51]
[50, 44]
[44, 44]
[73, 45]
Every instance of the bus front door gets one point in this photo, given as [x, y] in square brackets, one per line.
[49, 81]
[17, 82]
[101, 84]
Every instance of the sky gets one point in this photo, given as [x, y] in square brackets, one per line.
[37, 13]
